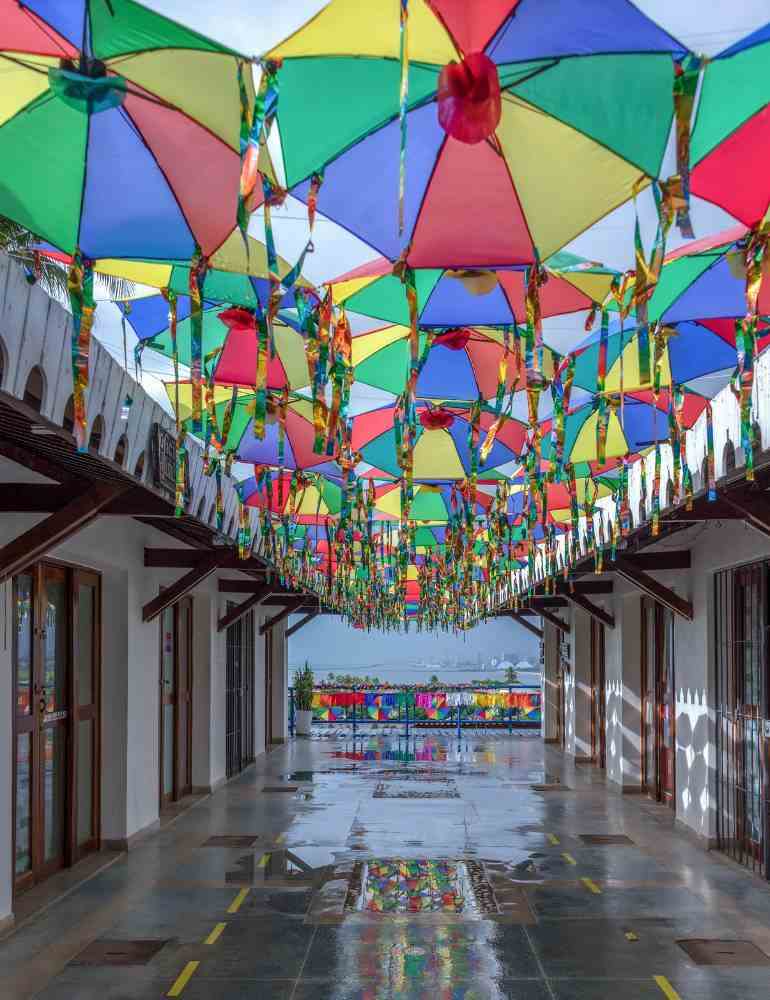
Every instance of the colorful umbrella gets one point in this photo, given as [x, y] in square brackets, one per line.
[442, 450]
[731, 137]
[463, 364]
[509, 128]
[468, 297]
[231, 349]
[307, 499]
[121, 118]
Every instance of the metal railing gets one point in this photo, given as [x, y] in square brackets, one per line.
[407, 713]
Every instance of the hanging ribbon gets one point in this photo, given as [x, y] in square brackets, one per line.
[244, 530]
[80, 285]
[648, 272]
[536, 276]
[198, 268]
[255, 127]
[181, 474]
[561, 390]
[656, 494]
[341, 368]
[260, 376]
[710, 463]
[686, 75]
[316, 181]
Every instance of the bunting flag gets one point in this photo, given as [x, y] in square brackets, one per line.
[255, 127]
[80, 285]
[198, 268]
[686, 75]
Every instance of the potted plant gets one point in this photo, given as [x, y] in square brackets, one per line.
[303, 700]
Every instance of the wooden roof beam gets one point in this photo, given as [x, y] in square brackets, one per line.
[664, 595]
[82, 508]
[659, 560]
[593, 609]
[550, 616]
[235, 614]
[170, 595]
[301, 623]
[292, 605]
[518, 617]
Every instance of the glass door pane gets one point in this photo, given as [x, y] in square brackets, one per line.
[168, 750]
[23, 611]
[85, 782]
[167, 670]
[85, 643]
[54, 791]
[54, 720]
[23, 859]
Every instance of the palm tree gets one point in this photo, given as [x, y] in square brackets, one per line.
[19, 243]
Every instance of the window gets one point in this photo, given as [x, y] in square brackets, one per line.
[704, 474]
[139, 467]
[34, 391]
[230, 525]
[213, 513]
[670, 493]
[121, 449]
[68, 420]
[97, 433]
[756, 429]
[642, 513]
[728, 458]
[199, 513]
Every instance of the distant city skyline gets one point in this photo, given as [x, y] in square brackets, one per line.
[328, 640]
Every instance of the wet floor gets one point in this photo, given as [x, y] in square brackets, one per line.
[384, 868]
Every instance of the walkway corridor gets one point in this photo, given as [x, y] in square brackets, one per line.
[385, 869]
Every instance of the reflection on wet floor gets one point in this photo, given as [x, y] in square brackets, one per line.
[484, 869]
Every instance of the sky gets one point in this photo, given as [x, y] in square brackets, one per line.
[328, 640]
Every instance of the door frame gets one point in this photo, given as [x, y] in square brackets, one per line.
[178, 790]
[598, 695]
[72, 574]
[653, 701]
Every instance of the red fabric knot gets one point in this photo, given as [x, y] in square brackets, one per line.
[455, 340]
[437, 419]
[236, 318]
[469, 103]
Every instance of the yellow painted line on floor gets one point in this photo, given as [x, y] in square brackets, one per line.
[262, 863]
[236, 903]
[552, 838]
[591, 886]
[630, 936]
[568, 858]
[667, 989]
[184, 978]
[215, 934]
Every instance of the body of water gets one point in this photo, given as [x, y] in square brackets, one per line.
[421, 675]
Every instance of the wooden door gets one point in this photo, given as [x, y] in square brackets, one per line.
[86, 699]
[598, 696]
[176, 669]
[268, 688]
[183, 719]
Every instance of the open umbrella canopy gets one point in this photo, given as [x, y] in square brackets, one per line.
[498, 132]
[123, 118]
[467, 296]
[442, 451]
[307, 499]
[232, 351]
[731, 137]
[462, 365]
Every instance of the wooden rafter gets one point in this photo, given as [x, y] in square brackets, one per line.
[550, 616]
[659, 559]
[292, 605]
[301, 623]
[752, 505]
[82, 508]
[593, 610]
[235, 614]
[170, 595]
[664, 595]
[518, 616]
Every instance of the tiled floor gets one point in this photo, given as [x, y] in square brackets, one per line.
[519, 907]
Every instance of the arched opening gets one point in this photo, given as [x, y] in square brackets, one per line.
[3, 363]
[670, 493]
[97, 433]
[728, 458]
[201, 505]
[704, 474]
[120, 450]
[212, 513]
[642, 513]
[139, 467]
[34, 390]
[756, 434]
[230, 525]
[68, 420]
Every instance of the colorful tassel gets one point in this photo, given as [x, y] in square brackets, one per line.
[80, 285]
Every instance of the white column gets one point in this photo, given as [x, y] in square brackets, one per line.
[579, 688]
[280, 705]
[259, 682]
[551, 682]
[623, 691]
